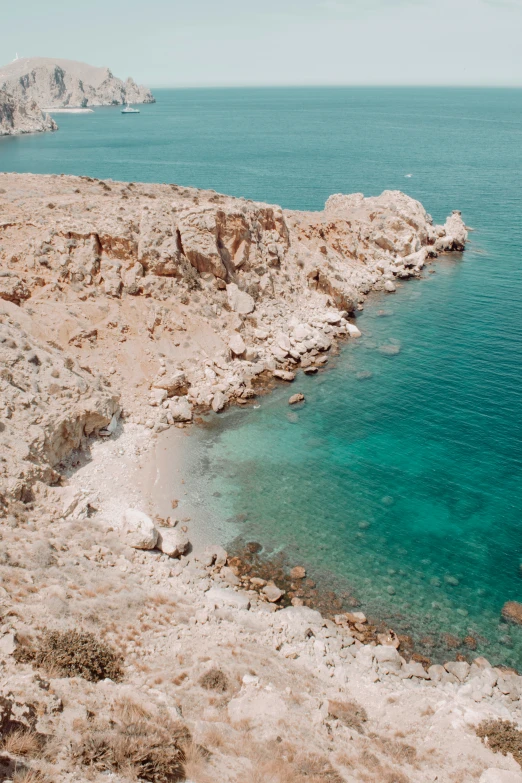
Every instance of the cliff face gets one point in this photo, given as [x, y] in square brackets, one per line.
[68, 84]
[22, 116]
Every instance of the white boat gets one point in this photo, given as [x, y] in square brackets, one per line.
[129, 110]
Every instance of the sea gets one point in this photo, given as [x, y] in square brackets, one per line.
[399, 480]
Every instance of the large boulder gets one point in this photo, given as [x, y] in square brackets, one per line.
[174, 384]
[172, 542]
[180, 409]
[139, 530]
[237, 344]
[239, 301]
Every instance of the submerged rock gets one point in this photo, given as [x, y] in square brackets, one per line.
[512, 611]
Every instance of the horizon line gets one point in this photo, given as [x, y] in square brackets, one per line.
[499, 86]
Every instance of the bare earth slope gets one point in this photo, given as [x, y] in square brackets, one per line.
[18, 116]
[55, 83]
[147, 302]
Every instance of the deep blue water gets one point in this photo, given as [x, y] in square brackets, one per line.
[405, 486]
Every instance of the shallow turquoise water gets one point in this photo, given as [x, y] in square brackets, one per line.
[397, 483]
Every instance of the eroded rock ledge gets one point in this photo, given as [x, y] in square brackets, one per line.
[18, 116]
[155, 300]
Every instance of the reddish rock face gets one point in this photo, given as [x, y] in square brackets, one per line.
[512, 611]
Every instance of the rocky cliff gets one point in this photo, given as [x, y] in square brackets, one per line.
[22, 116]
[67, 84]
[176, 299]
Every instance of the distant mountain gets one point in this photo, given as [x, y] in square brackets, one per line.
[68, 84]
[22, 116]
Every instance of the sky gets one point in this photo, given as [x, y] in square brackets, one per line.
[186, 43]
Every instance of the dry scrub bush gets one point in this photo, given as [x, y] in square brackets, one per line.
[214, 680]
[502, 736]
[151, 750]
[349, 713]
[73, 653]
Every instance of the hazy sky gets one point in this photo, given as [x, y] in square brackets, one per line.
[236, 42]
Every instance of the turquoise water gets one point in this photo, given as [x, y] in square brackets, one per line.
[403, 487]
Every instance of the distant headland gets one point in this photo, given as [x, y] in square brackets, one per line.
[30, 86]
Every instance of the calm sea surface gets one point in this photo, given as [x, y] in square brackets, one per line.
[404, 487]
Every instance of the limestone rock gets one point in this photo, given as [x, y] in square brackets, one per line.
[174, 384]
[8, 644]
[230, 577]
[272, 592]
[239, 301]
[284, 375]
[295, 398]
[180, 409]
[237, 344]
[459, 669]
[390, 287]
[138, 530]
[414, 669]
[297, 572]
[157, 397]
[172, 542]
[218, 402]
[352, 330]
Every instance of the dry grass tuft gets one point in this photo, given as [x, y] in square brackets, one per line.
[349, 713]
[196, 759]
[214, 680]
[502, 736]
[128, 710]
[30, 776]
[151, 750]
[215, 738]
[313, 768]
[23, 742]
[73, 653]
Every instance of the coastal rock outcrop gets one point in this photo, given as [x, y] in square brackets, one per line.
[54, 83]
[164, 301]
[22, 116]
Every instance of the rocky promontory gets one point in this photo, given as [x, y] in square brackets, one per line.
[22, 116]
[55, 83]
[174, 300]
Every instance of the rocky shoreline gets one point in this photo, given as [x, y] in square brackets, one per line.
[125, 309]
[18, 117]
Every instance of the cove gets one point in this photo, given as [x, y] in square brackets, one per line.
[399, 479]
